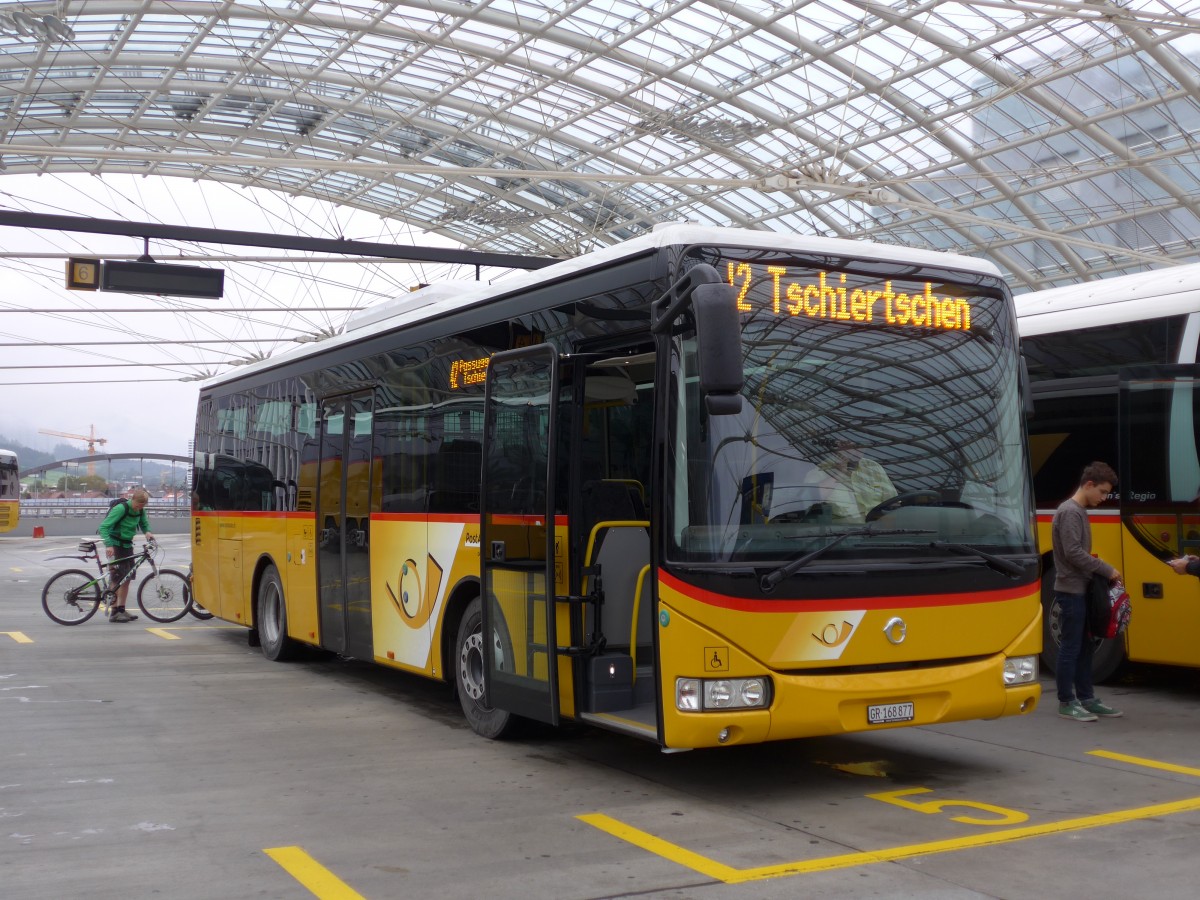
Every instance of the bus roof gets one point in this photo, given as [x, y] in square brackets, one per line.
[8, 456]
[1110, 301]
[443, 298]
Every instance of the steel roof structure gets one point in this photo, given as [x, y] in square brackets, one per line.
[1054, 136]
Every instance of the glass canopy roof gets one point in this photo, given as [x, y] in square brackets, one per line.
[1055, 138]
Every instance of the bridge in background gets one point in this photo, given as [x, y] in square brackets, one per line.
[177, 505]
[73, 465]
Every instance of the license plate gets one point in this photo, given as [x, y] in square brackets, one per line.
[886, 713]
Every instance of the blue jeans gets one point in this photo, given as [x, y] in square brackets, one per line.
[1074, 670]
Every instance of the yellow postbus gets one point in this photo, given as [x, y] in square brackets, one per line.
[10, 491]
[1113, 371]
[705, 487]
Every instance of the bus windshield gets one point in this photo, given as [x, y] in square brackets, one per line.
[884, 413]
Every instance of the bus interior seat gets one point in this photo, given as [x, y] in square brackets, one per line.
[622, 551]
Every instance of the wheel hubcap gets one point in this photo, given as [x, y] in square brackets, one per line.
[270, 624]
[470, 665]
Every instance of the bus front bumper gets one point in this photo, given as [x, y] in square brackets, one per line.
[826, 704]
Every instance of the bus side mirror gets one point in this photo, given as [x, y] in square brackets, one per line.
[719, 347]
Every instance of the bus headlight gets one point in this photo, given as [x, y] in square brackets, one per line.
[1020, 670]
[753, 692]
[704, 694]
[687, 694]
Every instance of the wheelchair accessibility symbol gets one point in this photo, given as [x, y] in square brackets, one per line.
[716, 659]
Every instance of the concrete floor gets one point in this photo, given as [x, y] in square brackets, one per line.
[181, 764]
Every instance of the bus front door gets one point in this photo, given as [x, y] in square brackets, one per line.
[343, 513]
[517, 540]
[1159, 488]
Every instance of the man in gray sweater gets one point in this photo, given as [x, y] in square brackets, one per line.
[1074, 566]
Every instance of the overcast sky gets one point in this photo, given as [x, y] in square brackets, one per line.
[131, 394]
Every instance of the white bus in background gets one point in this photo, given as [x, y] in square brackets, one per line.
[1114, 375]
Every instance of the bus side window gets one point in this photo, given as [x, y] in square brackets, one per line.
[456, 479]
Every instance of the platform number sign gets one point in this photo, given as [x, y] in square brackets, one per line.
[83, 274]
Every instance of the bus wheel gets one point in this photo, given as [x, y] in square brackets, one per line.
[271, 618]
[1109, 657]
[468, 675]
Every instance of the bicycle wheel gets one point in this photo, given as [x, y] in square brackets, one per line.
[71, 597]
[199, 611]
[164, 597]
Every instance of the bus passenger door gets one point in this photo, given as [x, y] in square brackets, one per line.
[517, 543]
[610, 538]
[1160, 509]
[343, 512]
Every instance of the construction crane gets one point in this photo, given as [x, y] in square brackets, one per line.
[89, 438]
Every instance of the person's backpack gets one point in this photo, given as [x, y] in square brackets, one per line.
[111, 504]
[1108, 608]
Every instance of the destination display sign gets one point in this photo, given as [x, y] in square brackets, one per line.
[817, 294]
[465, 372]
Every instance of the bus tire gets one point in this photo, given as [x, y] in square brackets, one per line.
[270, 618]
[1109, 658]
[468, 676]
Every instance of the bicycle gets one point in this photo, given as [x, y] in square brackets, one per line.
[195, 608]
[72, 596]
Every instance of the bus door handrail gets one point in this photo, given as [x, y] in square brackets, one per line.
[633, 622]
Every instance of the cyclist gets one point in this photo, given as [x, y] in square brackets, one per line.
[123, 521]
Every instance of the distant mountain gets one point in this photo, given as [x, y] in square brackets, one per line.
[30, 457]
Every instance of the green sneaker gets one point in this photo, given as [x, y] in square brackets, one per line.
[1074, 710]
[1097, 708]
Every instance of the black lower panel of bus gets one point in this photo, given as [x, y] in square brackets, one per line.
[612, 685]
[610, 682]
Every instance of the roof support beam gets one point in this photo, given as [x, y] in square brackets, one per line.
[276, 241]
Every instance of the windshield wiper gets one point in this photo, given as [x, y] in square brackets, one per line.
[772, 578]
[1007, 566]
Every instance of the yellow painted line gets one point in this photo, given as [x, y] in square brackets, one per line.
[658, 846]
[164, 631]
[709, 867]
[310, 873]
[18, 636]
[1148, 763]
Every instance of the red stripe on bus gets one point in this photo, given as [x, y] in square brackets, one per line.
[252, 514]
[560, 521]
[1046, 518]
[463, 519]
[823, 604]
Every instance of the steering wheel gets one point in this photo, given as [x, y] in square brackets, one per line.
[908, 498]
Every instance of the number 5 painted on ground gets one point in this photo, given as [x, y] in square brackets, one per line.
[1006, 816]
